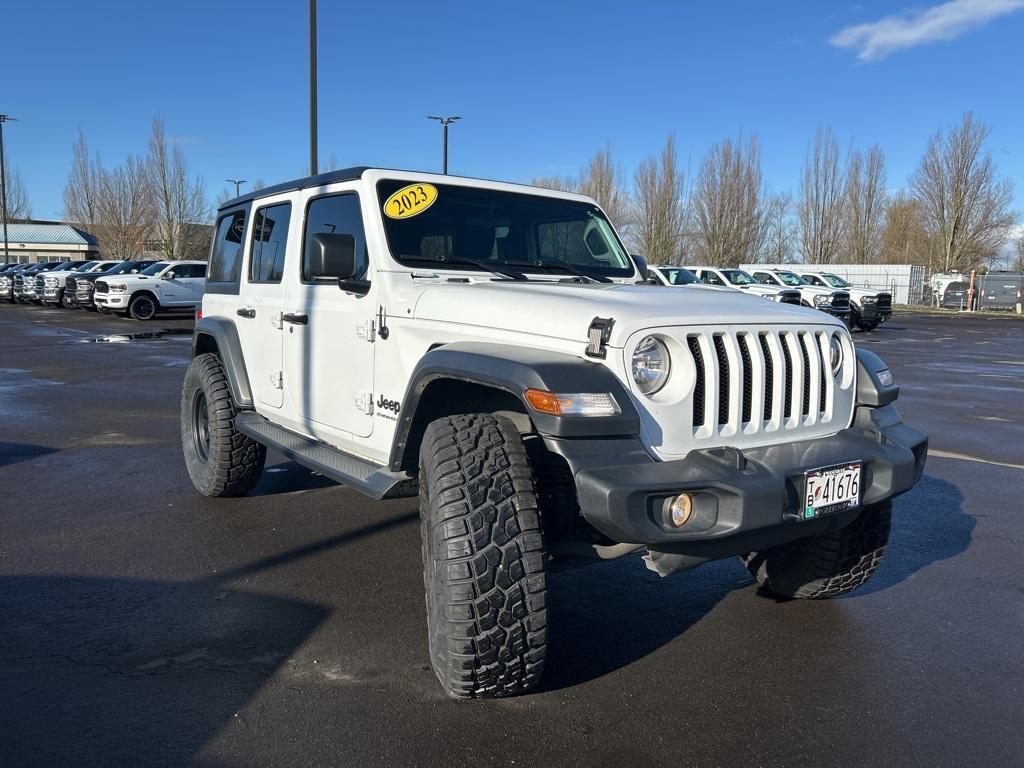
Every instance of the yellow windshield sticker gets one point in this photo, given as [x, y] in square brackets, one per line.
[410, 201]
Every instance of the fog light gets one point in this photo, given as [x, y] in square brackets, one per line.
[680, 508]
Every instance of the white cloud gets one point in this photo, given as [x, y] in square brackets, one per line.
[877, 39]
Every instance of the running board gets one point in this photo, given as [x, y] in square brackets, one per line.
[372, 479]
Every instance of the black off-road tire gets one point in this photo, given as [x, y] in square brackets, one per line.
[143, 307]
[829, 565]
[65, 302]
[483, 558]
[867, 326]
[221, 461]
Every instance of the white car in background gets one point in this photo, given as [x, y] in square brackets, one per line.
[164, 285]
[50, 286]
[835, 302]
[739, 280]
[868, 308]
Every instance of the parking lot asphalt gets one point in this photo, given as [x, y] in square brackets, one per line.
[141, 624]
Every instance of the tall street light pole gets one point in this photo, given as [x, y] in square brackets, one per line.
[312, 89]
[445, 122]
[3, 184]
[238, 183]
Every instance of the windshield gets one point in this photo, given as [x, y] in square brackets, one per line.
[678, 276]
[790, 278]
[738, 277]
[428, 225]
[836, 281]
[85, 265]
[154, 269]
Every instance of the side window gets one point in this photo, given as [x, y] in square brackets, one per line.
[763, 277]
[813, 279]
[269, 243]
[194, 270]
[712, 279]
[340, 215]
[226, 253]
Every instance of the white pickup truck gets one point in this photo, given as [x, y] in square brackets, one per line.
[161, 286]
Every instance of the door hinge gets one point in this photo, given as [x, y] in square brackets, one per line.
[364, 402]
[366, 329]
[277, 379]
[276, 321]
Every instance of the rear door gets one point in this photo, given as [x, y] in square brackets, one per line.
[261, 298]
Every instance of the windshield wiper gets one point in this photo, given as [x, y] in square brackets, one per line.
[571, 270]
[494, 270]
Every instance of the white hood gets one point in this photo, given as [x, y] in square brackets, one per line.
[565, 310]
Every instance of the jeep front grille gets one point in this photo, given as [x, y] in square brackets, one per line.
[746, 382]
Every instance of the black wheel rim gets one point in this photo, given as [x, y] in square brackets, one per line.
[144, 309]
[201, 427]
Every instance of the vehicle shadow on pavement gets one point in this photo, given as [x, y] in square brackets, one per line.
[129, 672]
[928, 525]
[12, 453]
[288, 477]
[604, 617]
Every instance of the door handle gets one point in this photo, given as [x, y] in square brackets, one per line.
[246, 312]
[292, 317]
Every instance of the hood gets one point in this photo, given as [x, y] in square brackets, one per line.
[565, 310]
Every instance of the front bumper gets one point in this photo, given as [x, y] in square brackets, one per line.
[843, 313]
[744, 501]
[113, 301]
[871, 313]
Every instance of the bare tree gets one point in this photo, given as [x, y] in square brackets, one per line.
[17, 198]
[865, 202]
[1017, 263]
[727, 209]
[179, 200]
[821, 201]
[82, 191]
[904, 239]
[659, 215]
[124, 208]
[559, 183]
[780, 236]
[965, 204]
[601, 179]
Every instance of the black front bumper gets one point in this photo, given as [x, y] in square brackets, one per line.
[872, 313]
[843, 313]
[744, 501]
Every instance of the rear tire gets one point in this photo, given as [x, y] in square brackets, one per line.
[483, 558]
[829, 565]
[221, 461]
[143, 307]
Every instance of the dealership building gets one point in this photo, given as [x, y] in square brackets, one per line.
[47, 241]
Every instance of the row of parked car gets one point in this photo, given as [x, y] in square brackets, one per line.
[862, 308]
[140, 288]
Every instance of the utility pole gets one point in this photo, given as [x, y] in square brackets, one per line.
[238, 183]
[3, 183]
[445, 122]
[312, 89]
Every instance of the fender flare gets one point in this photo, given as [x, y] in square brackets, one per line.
[515, 369]
[225, 338]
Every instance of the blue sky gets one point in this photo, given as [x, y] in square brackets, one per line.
[540, 85]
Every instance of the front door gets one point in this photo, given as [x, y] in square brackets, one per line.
[329, 336]
[261, 297]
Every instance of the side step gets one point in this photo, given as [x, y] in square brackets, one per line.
[372, 479]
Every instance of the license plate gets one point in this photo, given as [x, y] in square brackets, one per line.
[831, 489]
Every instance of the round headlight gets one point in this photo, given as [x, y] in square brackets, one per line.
[651, 365]
[837, 354]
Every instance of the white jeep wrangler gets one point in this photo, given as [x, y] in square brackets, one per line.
[493, 348]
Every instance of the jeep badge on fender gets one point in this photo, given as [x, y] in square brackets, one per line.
[695, 423]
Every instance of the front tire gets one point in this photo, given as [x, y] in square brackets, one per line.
[221, 461]
[483, 558]
[828, 565]
[143, 307]
[867, 326]
[65, 301]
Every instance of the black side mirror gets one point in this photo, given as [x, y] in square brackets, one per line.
[643, 269]
[334, 256]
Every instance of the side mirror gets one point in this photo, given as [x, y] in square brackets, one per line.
[642, 268]
[169, 275]
[334, 256]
